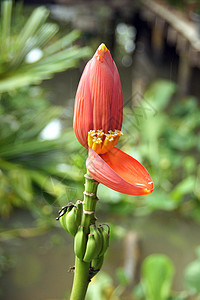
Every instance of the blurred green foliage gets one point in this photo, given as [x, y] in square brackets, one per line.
[32, 167]
[157, 272]
[160, 130]
[156, 280]
[192, 275]
[101, 288]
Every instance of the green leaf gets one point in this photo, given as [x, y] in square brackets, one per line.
[62, 43]
[38, 122]
[49, 184]
[43, 69]
[157, 274]
[37, 18]
[97, 288]
[6, 20]
[45, 56]
[186, 186]
[45, 33]
[192, 276]
[21, 183]
[159, 94]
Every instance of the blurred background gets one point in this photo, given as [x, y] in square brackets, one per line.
[154, 252]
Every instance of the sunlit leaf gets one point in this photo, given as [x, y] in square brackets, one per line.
[157, 274]
[192, 276]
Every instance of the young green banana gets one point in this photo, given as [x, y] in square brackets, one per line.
[98, 238]
[105, 244]
[71, 222]
[63, 218]
[97, 263]
[90, 251]
[80, 242]
[63, 222]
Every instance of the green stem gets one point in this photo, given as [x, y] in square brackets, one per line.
[81, 281]
[81, 277]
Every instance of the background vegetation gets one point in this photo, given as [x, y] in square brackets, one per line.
[40, 173]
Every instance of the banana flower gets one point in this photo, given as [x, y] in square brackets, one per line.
[97, 125]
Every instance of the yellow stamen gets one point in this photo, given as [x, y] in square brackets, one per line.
[96, 146]
[102, 142]
[100, 133]
[91, 135]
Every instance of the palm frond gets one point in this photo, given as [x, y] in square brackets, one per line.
[32, 55]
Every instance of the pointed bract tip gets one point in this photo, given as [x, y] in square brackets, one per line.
[150, 190]
[102, 49]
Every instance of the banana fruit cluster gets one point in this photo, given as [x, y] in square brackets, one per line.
[91, 247]
[90, 244]
[71, 219]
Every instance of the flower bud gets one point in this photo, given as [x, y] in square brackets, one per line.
[99, 100]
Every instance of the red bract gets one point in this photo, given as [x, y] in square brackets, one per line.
[99, 100]
[97, 124]
[120, 172]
